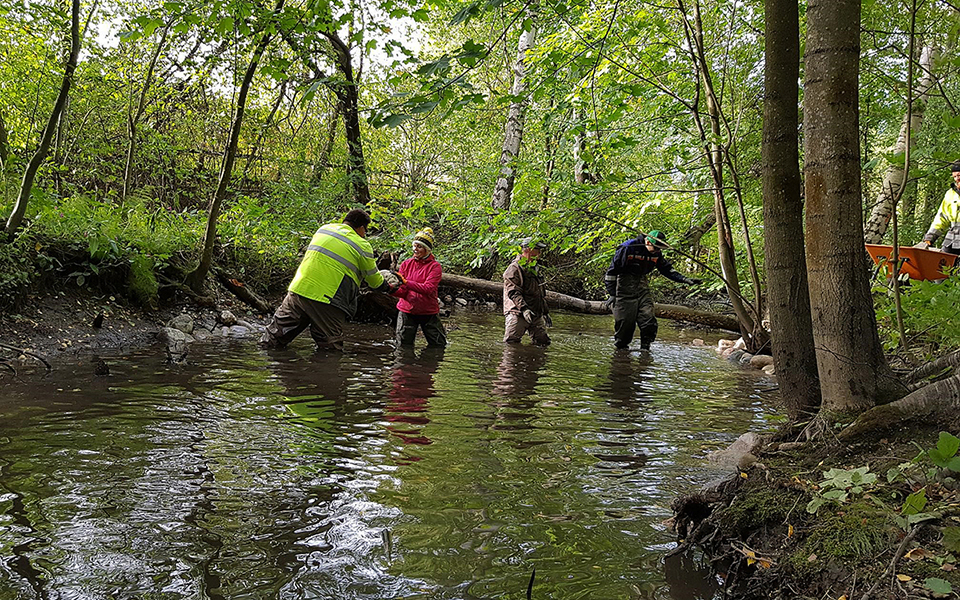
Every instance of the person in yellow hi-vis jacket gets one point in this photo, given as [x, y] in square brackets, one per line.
[947, 221]
[325, 289]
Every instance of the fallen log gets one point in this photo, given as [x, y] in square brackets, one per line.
[592, 307]
[242, 292]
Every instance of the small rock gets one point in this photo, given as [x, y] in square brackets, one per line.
[201, 334]
[462, 301]
[183, 322]
[698, 342]
[737, 451]
[238, 331]
[740, 344]
[491, 305]
[761, 360]
[177, 343]
[228, 318]
[722, 344]
[100, 367]
[734, 355]
[448, 299]
[746, 358]
[770, 370]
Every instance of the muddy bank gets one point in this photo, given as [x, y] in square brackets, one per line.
[874, 519]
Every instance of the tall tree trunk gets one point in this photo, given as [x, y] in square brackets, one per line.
[853, 372]
[512, 132]
[133, 120]
[70, 67]
[196, 278]
[893, 179]
[513, 129]
[788, 299]
[349, 106]
[323, 161]
[749, 316]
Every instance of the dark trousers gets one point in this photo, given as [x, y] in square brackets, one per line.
[633, 310]
[295, 314]
[433, 330]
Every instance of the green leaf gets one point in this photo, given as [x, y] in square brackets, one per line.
[224, 26]
[465, 14]
[948, 444]
[937, 585]
[814, 505]
[954, 464]
[915, 502]
[951, 538]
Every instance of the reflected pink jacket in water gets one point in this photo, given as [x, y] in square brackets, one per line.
[418, 296]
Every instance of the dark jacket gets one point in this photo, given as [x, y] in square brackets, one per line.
[633, 258]
[522, 289]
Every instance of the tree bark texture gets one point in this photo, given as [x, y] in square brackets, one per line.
[30, 173]
[348, 104]
[196, 278]
[574, 304]
[893, 178]
[788, 298]
[853, 372]
[513, 129]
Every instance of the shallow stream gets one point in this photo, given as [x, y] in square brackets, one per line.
[376, 474]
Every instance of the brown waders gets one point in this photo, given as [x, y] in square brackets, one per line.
[295, 314]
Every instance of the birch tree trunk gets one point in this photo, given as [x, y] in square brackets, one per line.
[788, 299]
[893, 179]
[513, 129]
[853, 372]
[30, 173]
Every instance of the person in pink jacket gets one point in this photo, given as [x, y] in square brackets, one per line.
[418, 305]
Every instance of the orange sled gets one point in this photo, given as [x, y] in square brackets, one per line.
[917, 263]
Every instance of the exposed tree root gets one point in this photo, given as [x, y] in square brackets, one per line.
[937, 368]
[935, 402]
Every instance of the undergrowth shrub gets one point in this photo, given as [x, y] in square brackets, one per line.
[929, 312]
[142, 281]
[18, 272]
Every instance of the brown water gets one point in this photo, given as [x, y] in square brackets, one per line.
[376, 474]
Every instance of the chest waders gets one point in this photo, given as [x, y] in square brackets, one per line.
[632, 310]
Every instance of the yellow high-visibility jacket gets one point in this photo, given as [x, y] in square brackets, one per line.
[335, 263]
[947, 221]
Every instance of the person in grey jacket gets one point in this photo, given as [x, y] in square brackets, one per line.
[525, 297]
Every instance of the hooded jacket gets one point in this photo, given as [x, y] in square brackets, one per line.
[633, 258]
[523, 288]
[418, 296]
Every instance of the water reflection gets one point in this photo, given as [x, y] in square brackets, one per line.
[410, 391]
[368, 474]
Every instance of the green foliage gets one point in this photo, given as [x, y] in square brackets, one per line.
[944, 455]
[142, 281]
[929, 312]
[17, 273]
[840, 484]
[858, 533]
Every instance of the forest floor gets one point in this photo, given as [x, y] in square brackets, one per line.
[890, 531]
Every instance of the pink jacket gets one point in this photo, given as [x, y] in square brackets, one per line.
[418, 296]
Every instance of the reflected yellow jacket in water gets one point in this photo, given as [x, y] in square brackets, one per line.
[335, 263]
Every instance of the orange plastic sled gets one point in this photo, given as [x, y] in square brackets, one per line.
[917, 264]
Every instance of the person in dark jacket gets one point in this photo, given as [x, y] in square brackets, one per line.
[525, 297]
[629, 291]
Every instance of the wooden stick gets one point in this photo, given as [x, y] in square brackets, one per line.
[28, 353]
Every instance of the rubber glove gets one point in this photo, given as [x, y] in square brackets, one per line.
[528, 315]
